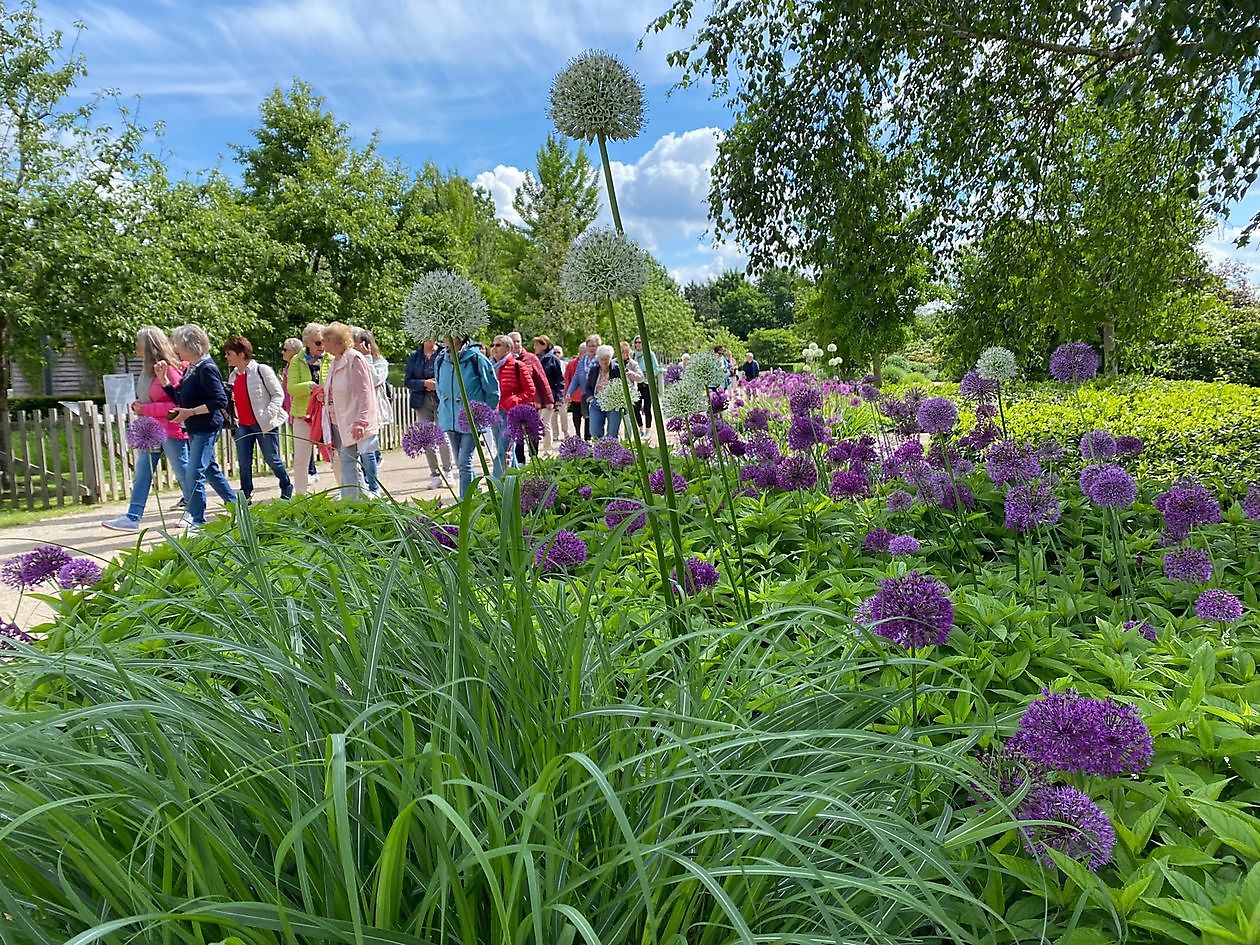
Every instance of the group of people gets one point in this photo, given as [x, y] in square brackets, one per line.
[334, 395]
[333, 391]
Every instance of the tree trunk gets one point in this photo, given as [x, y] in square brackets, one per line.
[1109, 346]
[878, 364]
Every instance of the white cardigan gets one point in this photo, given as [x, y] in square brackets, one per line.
[266, 396]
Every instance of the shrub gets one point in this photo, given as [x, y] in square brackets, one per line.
[775, 347]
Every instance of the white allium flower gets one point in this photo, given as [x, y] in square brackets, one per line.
[596, 94]
[831, 348]
[442, 305]
[602, 265]
[684, 398]
[805, 353]
[706, 369]
[613, 397]
[835, 362]
[996, 364]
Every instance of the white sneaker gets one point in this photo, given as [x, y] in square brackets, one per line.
[313, 478]
[437, 481]
[192, 531]
[185, 521]
[121, 524]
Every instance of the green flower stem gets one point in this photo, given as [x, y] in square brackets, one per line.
[662, 446]
[730, 508]
[641, 463]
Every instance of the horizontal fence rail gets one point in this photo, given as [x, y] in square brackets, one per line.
[78, 454]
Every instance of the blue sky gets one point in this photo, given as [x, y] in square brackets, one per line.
[461, 83]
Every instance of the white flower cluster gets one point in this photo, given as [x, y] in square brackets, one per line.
[831, 348]
[835, 362]
[601, 266]
[996, 364]
[597, 95]
[684, 398]
[613, 397]
[706, 369]
[444, 304]
[812, 353]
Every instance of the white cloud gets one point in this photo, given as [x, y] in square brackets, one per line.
[1221, 247]
[663, 197]
[501, 183]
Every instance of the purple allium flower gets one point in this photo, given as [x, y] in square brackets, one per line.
[1188, 566]
[1065, 731]
[146, 434]
[11, 572]
[862, 616]
[986, 411]
[804, 400]
[975, 387]
[797, 473]
[1073, 363]
[1009, 462]
[585, 492]
[619, 510]
[524, 423]
[763, 477]
[907, 451]
[1129, 446]
[1186, 505]
[805, 432]
[675, 424]
[876, 541]
[9, 632]
[1031, 504]
[537, 494]
[622, 459]
[763, 447]
[937, 415]
[1080, 829]
[657, 481]
[903, 545]
[1109, 486]
[699, 575]
[421, 437]
[1049, 450]
[1143, 627]
[718, 401]
[562, 552]
[757, 419]
[445, 535]
[606, 448]
[1097, 445]
[1009, 770]
[849, 484]
[673, 373]
[78, 572]
[485, 416]
[1218, 606]
[983, 435]
[38, 565]
[1251, 503]
[703, 450]
[574, 447]
[899, 500]
[947, 493]
[913, 610]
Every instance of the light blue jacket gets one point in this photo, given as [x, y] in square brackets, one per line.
[479, 379]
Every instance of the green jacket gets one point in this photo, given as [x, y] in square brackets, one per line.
[299, 384]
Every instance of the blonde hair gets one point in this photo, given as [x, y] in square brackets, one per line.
[154, 347]
[340, 331]
[191, 338]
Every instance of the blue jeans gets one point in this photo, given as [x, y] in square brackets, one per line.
[604, 423]
[146, 465]
[350, 459]
[247, 434]
[464, 446]
[201, 465]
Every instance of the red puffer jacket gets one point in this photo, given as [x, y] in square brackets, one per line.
[516, 384]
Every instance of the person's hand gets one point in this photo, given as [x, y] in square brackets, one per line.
[180, 414]
[358, 429]
[430, 384]
[159, 370]
[135, 407]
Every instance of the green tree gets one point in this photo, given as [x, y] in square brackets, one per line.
[974, 92]
[557, 203]
[670, 318]
[775, 347]
[700, 295]
[1107, 257]
[783, 288]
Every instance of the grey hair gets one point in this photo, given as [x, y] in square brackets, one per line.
[604, 351]
[313, 332]
[191, 338]
[291, 344]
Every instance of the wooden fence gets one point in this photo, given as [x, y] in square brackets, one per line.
[77, 454]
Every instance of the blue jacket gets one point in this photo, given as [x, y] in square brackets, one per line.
[479, 380]
[420, 369]
[201, 384]
[579, 376]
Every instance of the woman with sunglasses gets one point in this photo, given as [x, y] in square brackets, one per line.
[303, 378]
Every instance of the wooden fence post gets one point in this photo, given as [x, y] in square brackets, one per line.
[90, 446]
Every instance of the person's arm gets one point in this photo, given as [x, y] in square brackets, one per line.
[212, 382]
[364, 396]
[275, 392]
[380, 371]
[489, 381]
[411, 373]
[294, 383]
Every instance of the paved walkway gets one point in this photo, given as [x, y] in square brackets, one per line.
[82, 534]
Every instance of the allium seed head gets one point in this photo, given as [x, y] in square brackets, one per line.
[601, 266]
[444, 304]
[597, 95]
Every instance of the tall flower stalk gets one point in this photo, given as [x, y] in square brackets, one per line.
[596, 98]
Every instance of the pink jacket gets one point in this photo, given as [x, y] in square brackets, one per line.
[352, 397]
[159, 403]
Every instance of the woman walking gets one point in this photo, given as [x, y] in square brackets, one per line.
[153, 346]
[365, 342]
[200, 402]
[643, 406]
[601, 374]
[482, 386]
[305, 374]
[352, 412]
[258, 402]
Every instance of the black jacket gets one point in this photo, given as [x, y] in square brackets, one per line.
[555, 374]
[420, 369]
[592, 378]
[202, 384]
